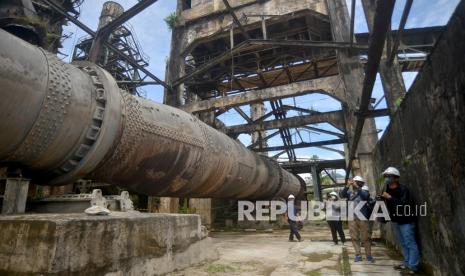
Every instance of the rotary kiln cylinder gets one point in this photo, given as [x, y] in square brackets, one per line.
[61, 122]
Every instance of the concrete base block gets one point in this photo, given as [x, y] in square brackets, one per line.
[14, 199]
[118, 244]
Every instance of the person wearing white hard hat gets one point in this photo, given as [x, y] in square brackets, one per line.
[359, 226]
[334, 217]
[399, 203]
[293, 227]
[370, 205]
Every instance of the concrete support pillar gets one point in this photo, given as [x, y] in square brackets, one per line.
[169, 205]
[176, 68]
[391, 76]
[153, 204]
[14, 199]
[316, 184]
[202, 207]
[257, 110]
[352, 75]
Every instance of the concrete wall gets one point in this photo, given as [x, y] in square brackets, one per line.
[426, 140]
[207, 19]
[118, 244]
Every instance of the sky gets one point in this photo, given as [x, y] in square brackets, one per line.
[154, 37]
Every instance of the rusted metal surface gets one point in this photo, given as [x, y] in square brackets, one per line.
[60, 122]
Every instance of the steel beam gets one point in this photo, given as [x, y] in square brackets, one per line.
[307, 44]
[352, 23]
[419, 39]
[266, 138]
[329, 175]
[341, 152]
[391, 76]
[335, 118]
[236, 20]
[304, 167]
[340, 135]
[289, 43]
[299, 109]
[381, 26]
[278, 154]
[351, 72]
[102, 34]
[373, 113]
[302, 145]
[218, 60]
[243, 115]
[328, 85]
[138, 83]
[127, 15]
[90, 32]
[400, 31]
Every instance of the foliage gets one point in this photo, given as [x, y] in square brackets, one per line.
[170, 20]
[219, 268]
[185, 208]
[398, 101]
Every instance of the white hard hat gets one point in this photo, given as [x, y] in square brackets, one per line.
[359, 179]
[333, 194]
[291, 196]
[365, 187]
[392, 171]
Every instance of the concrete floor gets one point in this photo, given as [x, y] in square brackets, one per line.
[259, 253]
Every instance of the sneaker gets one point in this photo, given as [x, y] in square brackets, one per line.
[358, 259]
[400, 267]
[408, 272]
[370, 259]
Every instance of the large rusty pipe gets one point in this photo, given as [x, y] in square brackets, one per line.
[60, 122]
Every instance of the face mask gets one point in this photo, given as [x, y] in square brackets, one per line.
[388, 180]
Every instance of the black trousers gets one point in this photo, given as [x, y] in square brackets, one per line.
[293, 230]
[336, 226]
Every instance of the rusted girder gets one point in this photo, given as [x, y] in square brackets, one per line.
[413, 39]
[235, 19]
[264, 139]
[328, 85]
[400, 31]
[61, 122]
[308, 43]
[381, 26]
[90, 32]
[304, 167]
[335, 118]
[340, 135]
[303, 145]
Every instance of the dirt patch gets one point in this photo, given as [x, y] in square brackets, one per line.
[318, 257]
[219, 268]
